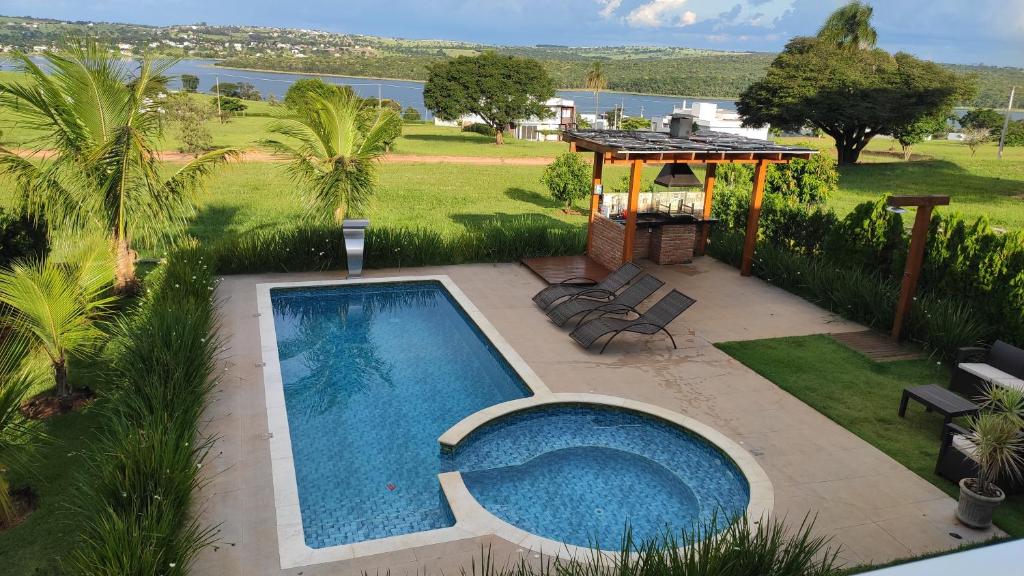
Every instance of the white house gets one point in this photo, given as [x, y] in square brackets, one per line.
[563, 116]
[706, 117]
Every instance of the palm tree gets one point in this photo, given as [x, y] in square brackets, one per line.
[595, 82]
[100, 118]
[333, 144]
[850, 26]
[53, 308]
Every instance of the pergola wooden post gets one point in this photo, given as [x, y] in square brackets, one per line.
[915, 258]
[635, 172]
[756, 198]
[595, 200]
[640, 148]
[701, 245]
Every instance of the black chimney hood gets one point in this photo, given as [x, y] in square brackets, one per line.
[678, 175]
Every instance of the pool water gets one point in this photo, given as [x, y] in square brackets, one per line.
[580, 473]
[373, 374]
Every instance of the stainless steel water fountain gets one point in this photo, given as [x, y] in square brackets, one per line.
[354, 232]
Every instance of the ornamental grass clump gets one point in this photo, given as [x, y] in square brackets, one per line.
[765, 548]
[137, 492]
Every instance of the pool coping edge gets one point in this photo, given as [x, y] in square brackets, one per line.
[292, 547]
[762, 492]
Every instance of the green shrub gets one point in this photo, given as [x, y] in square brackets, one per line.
[870, 236]
[322, 248]
[411, 115]
[479, 128]
[766, 547]
[810, 181]
[137, 492]
[568, 178]
[21, 238]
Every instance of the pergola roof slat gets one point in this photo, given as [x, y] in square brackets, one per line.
[701, 145]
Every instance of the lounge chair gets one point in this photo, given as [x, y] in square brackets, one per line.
[622, 303]
[654, 320]
[976, 368]
[603, 290]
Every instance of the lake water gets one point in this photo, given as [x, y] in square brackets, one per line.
[410, 93]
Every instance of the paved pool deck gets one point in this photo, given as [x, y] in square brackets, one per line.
[868, 503]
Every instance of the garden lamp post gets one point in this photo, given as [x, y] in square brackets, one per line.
[915, 258]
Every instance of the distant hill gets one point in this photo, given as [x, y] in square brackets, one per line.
[648, 69]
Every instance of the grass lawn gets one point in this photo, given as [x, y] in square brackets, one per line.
[863, 396]
[52, 530]
[980, 185]
[251, 196]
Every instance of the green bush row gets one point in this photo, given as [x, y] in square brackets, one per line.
[310, 248]
[138, 488]
[972, 286]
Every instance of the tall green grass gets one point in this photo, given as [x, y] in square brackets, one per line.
[310, 248]
[143, 472]
[765, 548]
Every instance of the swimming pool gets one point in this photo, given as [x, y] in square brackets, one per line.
[373, 374]
[399, 417]
[578, 474]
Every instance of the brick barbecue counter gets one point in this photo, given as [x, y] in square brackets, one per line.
[663, 242]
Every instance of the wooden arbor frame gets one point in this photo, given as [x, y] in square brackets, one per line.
[915, 257]
[637, 149]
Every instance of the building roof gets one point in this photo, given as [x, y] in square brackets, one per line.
[699, 147]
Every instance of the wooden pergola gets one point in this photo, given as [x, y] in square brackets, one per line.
[711, 149]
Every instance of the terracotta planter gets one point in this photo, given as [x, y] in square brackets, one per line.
[975, 510]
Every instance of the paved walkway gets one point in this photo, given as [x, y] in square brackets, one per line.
[871, 505]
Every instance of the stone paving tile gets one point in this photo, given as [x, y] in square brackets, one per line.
[866, 502]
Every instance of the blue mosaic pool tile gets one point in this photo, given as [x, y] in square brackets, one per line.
[373, 375]
[579, 474]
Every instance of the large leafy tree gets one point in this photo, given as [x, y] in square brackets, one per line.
[333, 142]
[850, 27]
[851, 95]
[499, 89]
[101, 118]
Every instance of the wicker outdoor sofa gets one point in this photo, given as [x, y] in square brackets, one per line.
[1001, 364]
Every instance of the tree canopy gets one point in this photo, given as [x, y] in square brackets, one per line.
[851, 95]
[300, 91]
[850, 27]
[499, 89]
[983, 118]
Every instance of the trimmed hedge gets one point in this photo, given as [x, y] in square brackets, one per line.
[972, 284]
[311, 248]
[138, 488]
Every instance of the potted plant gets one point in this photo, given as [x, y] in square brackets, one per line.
[996, 434]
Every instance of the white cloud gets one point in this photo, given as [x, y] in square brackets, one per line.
[658, 13]
[608, 7]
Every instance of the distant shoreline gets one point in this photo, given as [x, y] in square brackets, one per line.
[333, 75]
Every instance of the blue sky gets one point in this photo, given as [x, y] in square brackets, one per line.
[963, 31]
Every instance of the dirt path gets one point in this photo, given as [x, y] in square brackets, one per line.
[262, 156]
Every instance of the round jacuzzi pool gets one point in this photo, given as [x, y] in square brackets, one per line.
[580, 473]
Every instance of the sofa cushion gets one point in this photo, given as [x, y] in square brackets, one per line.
[965, 446]
[992, 374]
[1007, 358]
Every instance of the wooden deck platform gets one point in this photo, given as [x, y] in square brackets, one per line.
[877, 346]
[555, 269]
